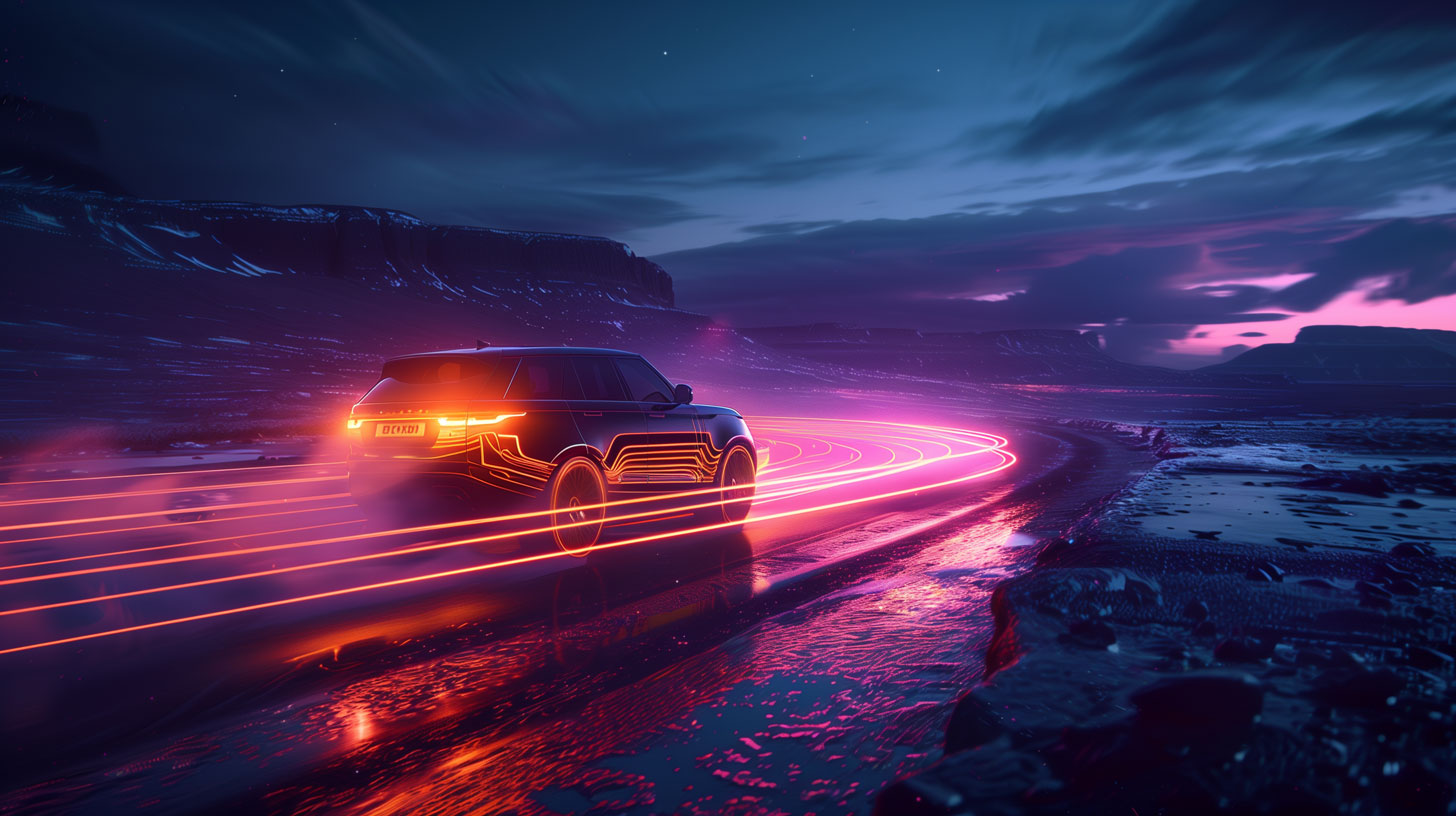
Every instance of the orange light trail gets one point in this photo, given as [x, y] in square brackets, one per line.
[165, 473]
[176, 524]
[874, 471]
[169, 490]
[199, 542]
[173, 511]
[761, 499]
[1007, 460]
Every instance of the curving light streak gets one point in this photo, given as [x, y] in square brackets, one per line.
[167, 491]
[868, 472]
[160, 474]
[773, 491]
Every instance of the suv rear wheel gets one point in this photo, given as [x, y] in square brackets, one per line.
[576, 486]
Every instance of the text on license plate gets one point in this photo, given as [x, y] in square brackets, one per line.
[399, 429]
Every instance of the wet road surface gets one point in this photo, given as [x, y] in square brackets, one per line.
[797, 666]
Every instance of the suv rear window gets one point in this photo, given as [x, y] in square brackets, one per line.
[443, 377]
[544, 378]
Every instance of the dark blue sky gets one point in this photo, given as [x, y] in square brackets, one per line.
[1184, 178]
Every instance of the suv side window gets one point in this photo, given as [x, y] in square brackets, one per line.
[599, 380]
[644, 384]
[544, 378]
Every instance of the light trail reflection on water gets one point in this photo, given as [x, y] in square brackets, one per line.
[429, 639]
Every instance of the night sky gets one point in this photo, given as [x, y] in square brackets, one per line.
[1186, 179]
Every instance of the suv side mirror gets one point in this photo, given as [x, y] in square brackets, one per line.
[682, 394]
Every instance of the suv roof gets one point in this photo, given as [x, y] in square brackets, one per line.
[519, 351]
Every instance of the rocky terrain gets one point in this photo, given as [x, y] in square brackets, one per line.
[1262, 624]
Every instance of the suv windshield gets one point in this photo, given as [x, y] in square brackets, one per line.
[443, 377]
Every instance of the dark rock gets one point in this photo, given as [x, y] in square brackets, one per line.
[1205, 629]
[1211, 700]
[1401, 586]
[1196, 610]
[1412, 549]
[1298, 543]
[1428, 659]
[1352, 620]
[1291, 799]
[1265, 571]
[981, 782]
[1308, 466]
[1376, 602]
[1206, 535]
[1356, 687]
[973, 723]
[1409, 504]
[1318, 583]
[1362, 483]
[1091, 634]
[1392, 571]
[1415, 789]
[1244, 650]
[1369, 589]
[1052, 551]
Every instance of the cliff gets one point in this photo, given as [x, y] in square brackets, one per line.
[1353, 354]
[47, 225]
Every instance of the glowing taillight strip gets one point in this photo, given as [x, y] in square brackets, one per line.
[472, 421]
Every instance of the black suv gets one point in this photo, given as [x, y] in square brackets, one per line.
[563, 427]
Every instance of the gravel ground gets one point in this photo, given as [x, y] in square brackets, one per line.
[1262, 624]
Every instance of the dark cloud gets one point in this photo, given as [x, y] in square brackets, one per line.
[1183, 76]
[603, 214]
[781, 227]
[1413, 261]
[1144, 264]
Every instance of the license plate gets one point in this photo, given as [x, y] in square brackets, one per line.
[399, 429]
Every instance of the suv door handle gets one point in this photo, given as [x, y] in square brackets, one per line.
[591, 413]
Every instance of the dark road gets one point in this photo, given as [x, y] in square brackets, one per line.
[262, 648]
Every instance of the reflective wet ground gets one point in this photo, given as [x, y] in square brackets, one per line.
[795, 667]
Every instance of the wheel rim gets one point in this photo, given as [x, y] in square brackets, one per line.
[578, 487]
[738, 487]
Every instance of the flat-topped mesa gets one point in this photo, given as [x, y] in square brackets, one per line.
[1374, 335]
[1354, 354]
[374, 246]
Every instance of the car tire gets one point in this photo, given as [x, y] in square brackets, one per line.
[577, 482]
[737, 472]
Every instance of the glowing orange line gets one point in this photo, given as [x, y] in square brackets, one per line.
[125, 494]
[168, 473]
[877, 471]
[1008, 459]
[175, 510]
[175, 524]
[181, 544]
[439, 545]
